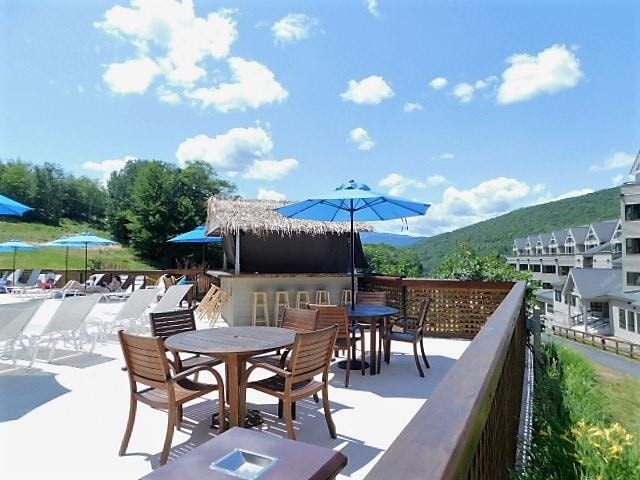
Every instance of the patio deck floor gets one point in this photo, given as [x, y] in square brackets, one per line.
[66, 419]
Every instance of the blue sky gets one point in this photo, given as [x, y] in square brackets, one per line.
[478, 108]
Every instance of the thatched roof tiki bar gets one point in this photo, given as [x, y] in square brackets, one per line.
[270, 252]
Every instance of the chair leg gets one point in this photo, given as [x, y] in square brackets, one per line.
[387, 350]
[417, 359]
[348, 370]
[291, 434]
[171, 424]
[280, 408]
[221, 410]
[133, 403]
[293, 410]
[362, 364]
[179, 416]
[424, 357]
[316, 398]
[327, 411]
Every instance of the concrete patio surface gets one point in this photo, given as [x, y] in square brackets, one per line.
[66, 419]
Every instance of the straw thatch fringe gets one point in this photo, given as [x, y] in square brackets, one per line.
[227, 215]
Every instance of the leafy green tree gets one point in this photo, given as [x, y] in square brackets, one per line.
[387, 260]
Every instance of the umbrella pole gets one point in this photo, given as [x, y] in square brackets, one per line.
[353, 262]
[14, 266]
[85, 263]
[66, 266]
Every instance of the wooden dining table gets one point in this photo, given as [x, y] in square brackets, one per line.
[373, 316]
[234, 346]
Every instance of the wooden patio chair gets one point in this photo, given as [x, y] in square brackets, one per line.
[347, 337]
[210, 308]
[412, 332]
[165, 324]
[311, 356]
[147, 365]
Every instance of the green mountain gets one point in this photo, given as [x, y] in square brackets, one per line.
[497, 234]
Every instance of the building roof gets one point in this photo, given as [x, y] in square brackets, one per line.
[595, 282]
[605, 230]
[520, 243]
[579, 234]
[545, 238]
[633, 297]
[602, 248]
[560, 236]
[545, 295]
[227, 215]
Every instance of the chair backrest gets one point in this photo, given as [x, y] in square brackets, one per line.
[168, 281]
[211, 305]
[15, 317]
[329, 315]
[172, 297]
[165, 324]
[33, 277]
[422, 314]
[311, 354]
[136, 304]
[138, 282]
[72, 312]
[146, 360]
[371, 298]
[14, 277]
[300, 319]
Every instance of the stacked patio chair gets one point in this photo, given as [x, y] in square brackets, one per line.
[210, 307]
[15, 317]
[66, 324]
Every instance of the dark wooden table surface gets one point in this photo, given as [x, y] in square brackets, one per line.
[297, 460]
[233, 345]
[373, 316]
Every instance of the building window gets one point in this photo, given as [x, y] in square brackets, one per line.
[558, 295]
[631, 321]
[573, 300]
[633, 245]
[547, 286]
[600, 307]
[617, 247]
[548, 269]
[535, 268]
[568, 249]
[622, 319]
[632, 212]
[633, 279]
[524, 267]
[564, 271]
[553, 250]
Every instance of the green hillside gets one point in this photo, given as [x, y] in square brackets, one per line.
[497, 234]
[54, 258]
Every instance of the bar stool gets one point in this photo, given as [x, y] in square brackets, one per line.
[346, 298]
[303, 298]
[260, 302]
[323, 297]
[282, 300]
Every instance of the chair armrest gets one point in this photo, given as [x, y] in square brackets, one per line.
[193, 370]
[266, 366]
[402, 322]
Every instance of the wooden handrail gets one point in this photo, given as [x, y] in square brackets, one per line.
[441, 440]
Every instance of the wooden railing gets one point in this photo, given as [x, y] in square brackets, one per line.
[601, 341]
[468, 428]
[458, 309]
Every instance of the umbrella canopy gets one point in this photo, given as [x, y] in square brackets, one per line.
[353, 201]
[197, 235]
[57, 244]
[15, 245]
[85, 239]
[11, 207]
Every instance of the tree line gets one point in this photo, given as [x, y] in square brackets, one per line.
[142, 205]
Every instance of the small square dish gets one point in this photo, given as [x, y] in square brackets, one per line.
[244, 464]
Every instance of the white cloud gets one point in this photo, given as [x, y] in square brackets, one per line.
[487, 82]
[447, 156]
[170, 28]
[270, 169]
[253, 85]
[436, 180]
[617, 179]
[547, 197]
[438, 83]
[616, 160]
[371, 91]
[463, 92]
[293, 27]
[412, 107]
[240, 150]
[132, 76]
[555, 68]
[361, 138]
[397, 184]
[166, 95]
[106, 167]
[372, 6]
[265, 194]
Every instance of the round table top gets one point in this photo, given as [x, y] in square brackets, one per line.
[365, 310]
[231, 340]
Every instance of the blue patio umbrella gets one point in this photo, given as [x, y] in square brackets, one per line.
[85, 239]
[353, 201]
[15, 245]
[197, 235]
[57, 244]
[9, 206]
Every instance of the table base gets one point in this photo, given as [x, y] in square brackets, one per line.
[355, 365]
[252, 418]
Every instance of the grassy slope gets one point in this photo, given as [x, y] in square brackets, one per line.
[54, 258]
[497, 234]
[623, 394]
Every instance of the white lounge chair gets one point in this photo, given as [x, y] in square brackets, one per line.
[66, 324]
[15, 317]
[132, 311]
[14, 277]
[172, 298]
